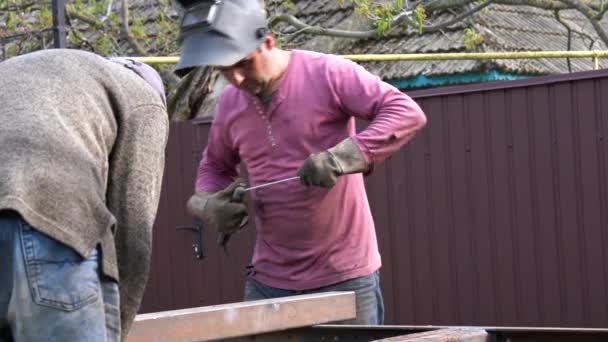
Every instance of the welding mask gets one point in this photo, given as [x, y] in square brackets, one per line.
[220, 33]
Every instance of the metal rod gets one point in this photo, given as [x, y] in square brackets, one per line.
[596, 63]
[59, 31]
[434, 56]
[272, 183]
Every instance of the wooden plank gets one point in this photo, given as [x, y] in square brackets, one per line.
[244, 319]
[443, 335]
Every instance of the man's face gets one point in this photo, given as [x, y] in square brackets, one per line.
[250, 73]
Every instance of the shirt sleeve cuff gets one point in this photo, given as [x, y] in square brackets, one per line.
[366, 154]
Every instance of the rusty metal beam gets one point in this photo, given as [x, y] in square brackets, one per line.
[443, 335]
[366, 333]
[243, 319]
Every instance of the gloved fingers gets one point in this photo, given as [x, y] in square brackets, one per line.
[305, 172]
[236, 208]
[229, 190]
[317, 170]
[196, 203]
[304, 180]
[235, 223]
[327, 183]
[222, 239]
[244, 222]
[238, 195]
[238, 213]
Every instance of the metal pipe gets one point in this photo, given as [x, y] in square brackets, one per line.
[435, 56]
[59, 31]
[476, 55]
[596, 63]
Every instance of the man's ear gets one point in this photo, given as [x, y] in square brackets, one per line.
[269, 41]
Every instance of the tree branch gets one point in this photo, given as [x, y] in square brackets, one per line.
[77, 34]
[317, 30]
[127, 32]
[603, 8]
[442, 5]
[588, 12]
[84, 18]
[445, 24]
[108, 11]
[559, 18]
[585, 9]
[21, 33]
[580, 33]
[21, 7]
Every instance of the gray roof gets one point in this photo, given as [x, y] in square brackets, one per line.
[503, 28]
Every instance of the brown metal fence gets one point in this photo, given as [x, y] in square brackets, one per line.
[495, 214]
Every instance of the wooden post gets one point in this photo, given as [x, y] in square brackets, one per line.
[59, 31]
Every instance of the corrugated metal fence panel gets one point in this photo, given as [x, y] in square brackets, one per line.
[494, 215]
[179, 280]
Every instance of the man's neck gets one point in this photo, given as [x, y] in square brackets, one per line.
[281, 62]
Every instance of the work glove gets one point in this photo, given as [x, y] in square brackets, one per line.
[323, 168]
[220, 211]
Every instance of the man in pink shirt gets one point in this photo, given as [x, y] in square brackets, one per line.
[289, 113]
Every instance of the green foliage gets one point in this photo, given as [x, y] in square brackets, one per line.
[24, 19]
[12, 50]
[418, 17]
[137, 28]
[471, 39]
[362, 7]
[381, 13]
[76, 5]
[166, 36]
[279, 41]
[10, 21]
[103, 45]
[289, 5]
[485, 9]
[92, 27]
[45, 17]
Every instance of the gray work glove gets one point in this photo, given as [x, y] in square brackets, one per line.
[219, 210]
[323, 168]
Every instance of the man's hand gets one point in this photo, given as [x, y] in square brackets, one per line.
[218, 210]
[322, 169]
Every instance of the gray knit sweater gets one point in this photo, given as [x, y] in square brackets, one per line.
[82, 146]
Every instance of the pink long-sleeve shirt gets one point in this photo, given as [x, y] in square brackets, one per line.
[308, 237]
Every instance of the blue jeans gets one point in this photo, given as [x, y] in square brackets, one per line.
[368, 296]
[50, 293]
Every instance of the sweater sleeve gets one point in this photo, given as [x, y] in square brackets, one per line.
[395, 117]
[136, 171]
